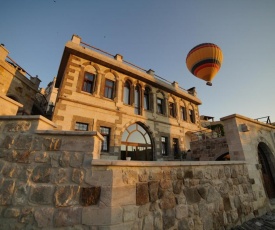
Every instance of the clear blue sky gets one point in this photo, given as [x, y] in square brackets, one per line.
[156, 34]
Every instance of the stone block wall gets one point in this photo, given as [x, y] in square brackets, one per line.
[50, 180]
[43, 174]
[208, 149]
[173, 195]
[8, 106]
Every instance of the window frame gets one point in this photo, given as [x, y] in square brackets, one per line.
[172, 109]
[160, 106]
[192, 116]
[87, 81]
[146, 99]
[109, 90]
[127, 85]
[164, 146]
[183, 113]
[106, 136]
[81, 124]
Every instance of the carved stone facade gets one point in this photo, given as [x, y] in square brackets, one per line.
[145, 117]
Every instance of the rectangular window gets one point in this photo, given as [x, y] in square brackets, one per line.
[192, 116]
[81, 126]
[88, 84]
[183, 113]
[109, 89]
[105, 132]
[164, 146]
[160, 105]
[172, 111]
[127, 93]
[146, 99]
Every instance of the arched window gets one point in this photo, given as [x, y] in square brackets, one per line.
[109, 89]
[172, 107]
[137, 100]
[183, 112]
[89, 82]
[192, 115]
[146, 98]
[160, 104]
[127, 93]
[136, 143]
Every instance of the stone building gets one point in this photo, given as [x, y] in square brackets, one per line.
[15, 86]
[50, 94]
[139, 114]
[52, 176]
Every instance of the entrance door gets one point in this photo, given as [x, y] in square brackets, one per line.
[263, 153]
[176, 148]
[136, 143]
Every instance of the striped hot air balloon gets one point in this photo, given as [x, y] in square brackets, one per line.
[204, 61]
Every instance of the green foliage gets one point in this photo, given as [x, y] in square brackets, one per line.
[218, 128]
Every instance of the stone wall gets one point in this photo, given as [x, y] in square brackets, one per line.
[208, 149]
[49, 179]
[8, 106]
[173, 195]
[43, 174]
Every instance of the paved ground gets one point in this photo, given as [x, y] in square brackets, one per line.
[266, 221]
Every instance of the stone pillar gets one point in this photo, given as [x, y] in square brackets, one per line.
[118, 90]
[98, 84]
[154, 102]
[165, 109]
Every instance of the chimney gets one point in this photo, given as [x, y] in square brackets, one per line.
[175, 84]
[36, 81]
[151, 72]
[119, 57]
[76, 39]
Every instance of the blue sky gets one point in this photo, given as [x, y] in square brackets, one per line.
[156, 34]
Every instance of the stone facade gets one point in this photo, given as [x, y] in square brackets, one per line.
[55, 180]
[209, 149]
[96, 108]
[50, 94]
[15, 85]
[254, 142]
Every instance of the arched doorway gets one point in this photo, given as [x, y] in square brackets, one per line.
[136, 143]
[266, 159]
[224, 157]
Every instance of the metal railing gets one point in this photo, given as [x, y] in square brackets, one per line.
[132, 65]
[267, 119]
[18, 66]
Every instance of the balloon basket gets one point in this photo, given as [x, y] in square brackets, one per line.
[209, 83]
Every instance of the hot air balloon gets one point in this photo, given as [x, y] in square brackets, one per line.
[204, 61]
